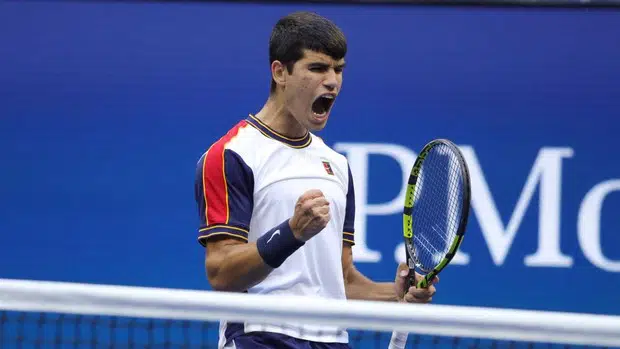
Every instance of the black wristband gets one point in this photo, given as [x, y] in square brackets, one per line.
[276, 245]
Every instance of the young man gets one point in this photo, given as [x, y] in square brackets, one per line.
[277, 204]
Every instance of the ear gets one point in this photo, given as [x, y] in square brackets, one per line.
[279, 72]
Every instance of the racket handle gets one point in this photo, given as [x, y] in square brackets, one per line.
[399, 340]
[410, 280]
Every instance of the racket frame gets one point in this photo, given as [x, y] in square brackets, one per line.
[408, 212]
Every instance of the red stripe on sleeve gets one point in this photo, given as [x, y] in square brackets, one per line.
[214, 179]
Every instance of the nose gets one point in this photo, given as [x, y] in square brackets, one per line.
[331, 80]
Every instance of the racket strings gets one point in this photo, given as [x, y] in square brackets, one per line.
[437, 207]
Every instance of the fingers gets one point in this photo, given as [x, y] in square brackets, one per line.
[321, 215]
[402, 274]
[415, 294]
[420, 295]
[402, 271]
[312, 199]
[315, 205]
[311, 194]
[317, 208]
[311, 216]
[317, 202]
[400, 281]
[321, 212]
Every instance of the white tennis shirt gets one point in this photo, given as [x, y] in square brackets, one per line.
[248, 182]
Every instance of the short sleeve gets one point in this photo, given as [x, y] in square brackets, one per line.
[348, 230]
[224, 188]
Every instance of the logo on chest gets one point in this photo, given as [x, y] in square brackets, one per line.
[328, 167]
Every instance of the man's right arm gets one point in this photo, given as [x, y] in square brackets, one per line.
[224, 189]
[233, 265]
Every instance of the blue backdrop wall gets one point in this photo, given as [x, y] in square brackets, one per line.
[106, 107]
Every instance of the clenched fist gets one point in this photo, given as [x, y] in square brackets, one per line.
[311, 215]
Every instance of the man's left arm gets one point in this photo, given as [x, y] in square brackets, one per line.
[358, 286]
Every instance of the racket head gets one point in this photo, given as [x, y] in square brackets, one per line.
[436, 209]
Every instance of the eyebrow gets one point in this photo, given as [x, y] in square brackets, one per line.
[323, 64]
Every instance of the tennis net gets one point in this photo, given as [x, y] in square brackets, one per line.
[36, 314]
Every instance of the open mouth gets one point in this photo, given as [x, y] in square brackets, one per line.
[323, 104]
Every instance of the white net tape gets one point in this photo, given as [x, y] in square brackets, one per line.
[23, 296]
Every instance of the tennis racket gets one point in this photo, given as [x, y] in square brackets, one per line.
[435, 214]
[436, 209]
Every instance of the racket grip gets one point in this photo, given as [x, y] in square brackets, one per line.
[399, 340]
[410, 280]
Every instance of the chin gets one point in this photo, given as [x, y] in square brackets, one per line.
[315, 126]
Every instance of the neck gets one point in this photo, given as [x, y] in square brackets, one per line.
[275, 115]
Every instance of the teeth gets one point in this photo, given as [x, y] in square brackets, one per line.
[328, 96]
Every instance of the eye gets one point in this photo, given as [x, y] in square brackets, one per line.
[318, 68]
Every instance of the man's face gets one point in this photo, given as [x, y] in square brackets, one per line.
[312, 88]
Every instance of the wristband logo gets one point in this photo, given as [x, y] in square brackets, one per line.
[277, 232]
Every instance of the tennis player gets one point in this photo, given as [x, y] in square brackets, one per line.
[277, 204]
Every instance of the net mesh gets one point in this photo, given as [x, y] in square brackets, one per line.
[95, 317]
[56, 330]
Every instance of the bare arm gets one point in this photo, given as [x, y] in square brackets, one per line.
[234, 265]
[358, 286]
